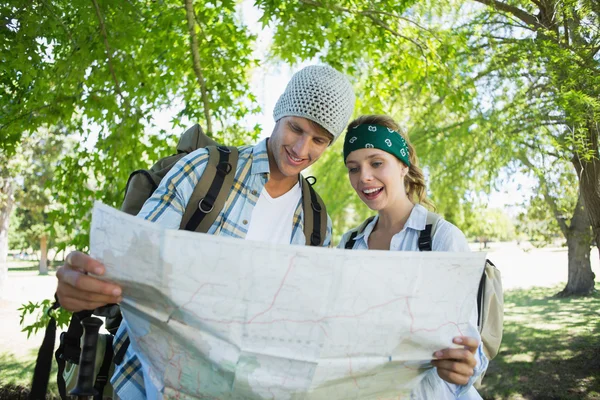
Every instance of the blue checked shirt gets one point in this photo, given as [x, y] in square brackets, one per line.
[447, 238]
[166, 207]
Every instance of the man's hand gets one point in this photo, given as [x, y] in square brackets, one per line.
[456, 365]
[77, 291]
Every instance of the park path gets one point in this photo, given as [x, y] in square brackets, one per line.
[520, 269]
[22, 287]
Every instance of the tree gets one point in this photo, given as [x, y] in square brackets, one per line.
[101, 69]
[7, 199]
[34, 191]
[557, 209]
[493, 225]
[476, 85]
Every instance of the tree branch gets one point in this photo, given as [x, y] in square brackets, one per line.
[564, 228]
[369, 14]
[383, 25]
[109, 54]
[514, 11]
[191, 21]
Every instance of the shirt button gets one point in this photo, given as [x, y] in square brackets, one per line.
[254, 192]
[245, 222]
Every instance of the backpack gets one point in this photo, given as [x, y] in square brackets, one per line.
[204, 206]
[490, 297]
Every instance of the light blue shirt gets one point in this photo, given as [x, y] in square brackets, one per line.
[447, 237]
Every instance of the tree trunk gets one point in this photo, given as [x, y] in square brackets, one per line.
[588, 171]
[44, 255]
[581, 278]
[6, 204]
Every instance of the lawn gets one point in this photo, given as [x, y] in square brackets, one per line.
[550, 350]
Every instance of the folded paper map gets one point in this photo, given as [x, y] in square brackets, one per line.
[222, 318]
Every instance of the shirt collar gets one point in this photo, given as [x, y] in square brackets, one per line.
[260, 158]
[416, 220]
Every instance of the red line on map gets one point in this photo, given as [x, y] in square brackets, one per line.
[198, 290]
[276, 294]
[253, 319]
[412, 321]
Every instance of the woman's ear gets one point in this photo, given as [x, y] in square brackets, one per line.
[403, 170]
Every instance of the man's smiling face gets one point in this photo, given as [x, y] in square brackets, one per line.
[296, 143]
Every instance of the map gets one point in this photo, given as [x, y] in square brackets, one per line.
[223, 318]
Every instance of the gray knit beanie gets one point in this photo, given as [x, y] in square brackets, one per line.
[321, 94]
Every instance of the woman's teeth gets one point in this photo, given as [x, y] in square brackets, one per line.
[371, 191]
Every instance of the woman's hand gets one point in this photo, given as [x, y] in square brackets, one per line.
[457, 365]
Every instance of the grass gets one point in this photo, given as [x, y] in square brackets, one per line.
[16, 376]
[550, 348]
[31, 265]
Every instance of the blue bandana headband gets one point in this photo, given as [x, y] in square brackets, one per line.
[370, 136]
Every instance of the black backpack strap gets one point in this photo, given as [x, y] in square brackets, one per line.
[69, 349]
[425, 238]
[352, 239]
[43, 364]
[212, 190]
[103, 373]
[426, 235]
[350, 243]
[315, 213]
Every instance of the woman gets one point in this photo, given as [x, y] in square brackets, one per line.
[383, 170]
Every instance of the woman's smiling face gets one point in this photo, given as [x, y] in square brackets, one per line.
[377, 177]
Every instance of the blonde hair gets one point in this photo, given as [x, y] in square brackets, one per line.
[414, 181]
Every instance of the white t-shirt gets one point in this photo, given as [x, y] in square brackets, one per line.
[272, 219]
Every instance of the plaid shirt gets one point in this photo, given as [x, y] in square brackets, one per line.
[166, 207]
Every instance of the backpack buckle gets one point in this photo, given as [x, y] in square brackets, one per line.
[202, 209]
[316, 206]
[224, 167]
[315, 239]
[311, 180]
[224, 149]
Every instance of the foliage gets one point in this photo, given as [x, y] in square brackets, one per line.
[43, 312]
[35, 194]
[478, 87]
[102, 69]
[549, 211]
[493, 225]
[16, 238]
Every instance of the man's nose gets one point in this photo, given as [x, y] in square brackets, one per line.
[301, 146]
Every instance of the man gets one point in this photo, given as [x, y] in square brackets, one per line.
[266, 205]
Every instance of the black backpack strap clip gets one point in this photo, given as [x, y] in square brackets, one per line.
[211, 192]
[315, 213]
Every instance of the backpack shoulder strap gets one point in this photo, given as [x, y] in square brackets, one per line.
[212, 190]
[352, 239]
[315, 214]
[426, 235]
